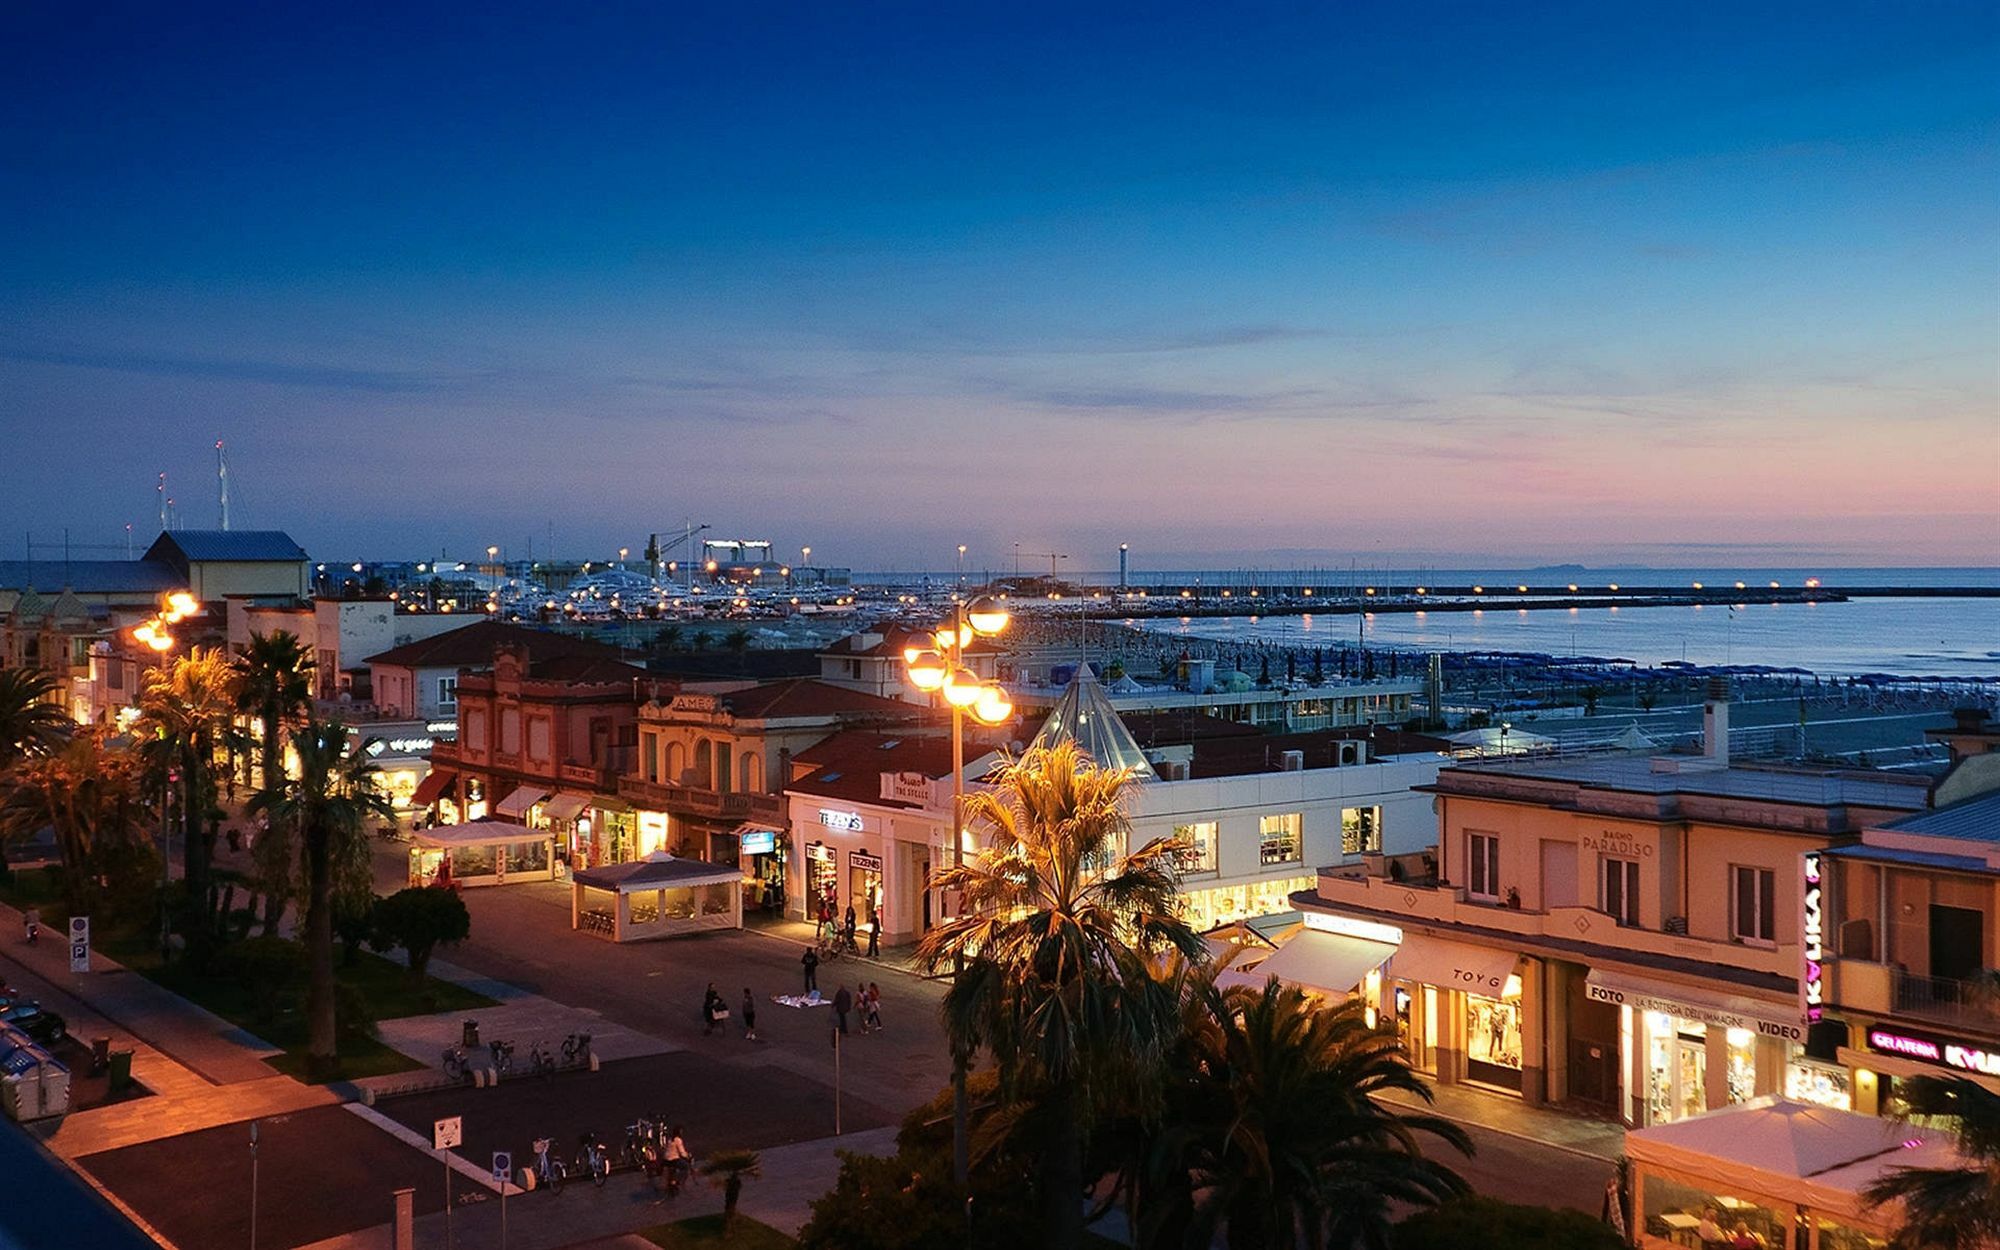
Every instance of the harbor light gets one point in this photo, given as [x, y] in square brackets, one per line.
[1697, 585]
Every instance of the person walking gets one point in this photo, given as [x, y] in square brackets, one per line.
[822, 919]
[712, 1010]
[847, 927]
[875, 934]
[843, 1002]
[749, 1015]
[810, 961]
[872, 1011]
[679, 1161]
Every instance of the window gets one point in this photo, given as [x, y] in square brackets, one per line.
[1278, 838]
[1199, 853]
[1753, 897]
[448, 692]
[1621, 890]
[1360, 830]
[1482, 880]
[538, 739]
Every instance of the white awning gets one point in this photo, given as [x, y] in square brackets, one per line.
[565, 806]
[478, 833]
[1453, 965]
[518, 803]
[1693, 1002]
[1331, 963]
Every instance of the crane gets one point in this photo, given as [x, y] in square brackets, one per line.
[686, 534]
[1051, 556]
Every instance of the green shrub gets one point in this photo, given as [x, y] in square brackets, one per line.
[269, 969]
[1491, 1224]
[418, 919]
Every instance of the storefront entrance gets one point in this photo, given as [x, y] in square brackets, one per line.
[864, 885]
[1677, 1068]
[822, 878]
[1493, 1038]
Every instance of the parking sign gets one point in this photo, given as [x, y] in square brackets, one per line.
[79, 943]
[446, 1133]
[503, 1166]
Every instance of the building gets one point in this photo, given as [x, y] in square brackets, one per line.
[714, 757]
[136, 585]
[1285, 703]
[871, 661]
[1260, 814]
[338, 633]
[214, 564]
[1619, 932]
[418, 680]
[542, 739]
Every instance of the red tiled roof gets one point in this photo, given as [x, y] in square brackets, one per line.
[895, 638]
[473, 646]
[582, 669]
[850, 765]
[803, 697]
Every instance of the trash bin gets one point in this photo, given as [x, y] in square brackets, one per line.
[470, 1037]
[121, 1071]
[100, 1055]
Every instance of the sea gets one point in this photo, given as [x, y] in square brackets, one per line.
[1932, 638]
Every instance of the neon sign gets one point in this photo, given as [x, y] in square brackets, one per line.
[1948, 1054]
[1812, 933]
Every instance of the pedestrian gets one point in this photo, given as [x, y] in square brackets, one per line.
[749, 1015]
[712, 1010]
[875, 934]
[825, 919]
[810, 961]
[874, 1008]
[847, 928]
[843, 1002]
[679, 1161]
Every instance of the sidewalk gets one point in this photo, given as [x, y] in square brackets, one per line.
[1510, 1117]
[212, 1047]
[800, 932]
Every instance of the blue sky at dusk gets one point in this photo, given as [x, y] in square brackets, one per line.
[1419, 283]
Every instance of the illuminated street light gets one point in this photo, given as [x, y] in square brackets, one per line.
[992, 707]
[926, 669]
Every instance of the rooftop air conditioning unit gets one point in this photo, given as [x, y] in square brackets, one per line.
[1291, 761]
[1350, 753]
[1172, 770]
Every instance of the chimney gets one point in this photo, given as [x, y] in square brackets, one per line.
[1715, 721]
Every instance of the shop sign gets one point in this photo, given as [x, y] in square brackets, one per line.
[758, 842]
[906, 788]
[695, 703]
[847, 822]
[1720, 1017]
[441, 728]
[1347, 926]
[819, 851]
[1812, 931]
[864, 861]
[1621, 845]
[1930, 1050]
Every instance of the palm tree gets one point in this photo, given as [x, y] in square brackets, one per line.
[737, 640]
[88, 796]
[1273, 1132]
[729, 1167]
[329, 807]
[1949, 1208]
[187, 710]
[1058, 934]
[275, 686]
[29, 723]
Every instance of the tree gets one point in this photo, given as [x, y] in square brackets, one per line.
[1057, 934]
[737, 640]
[270, 968]
[274, 684]
[1273, 1133]
[1491, 1224]
[328, 806]
[418, 919]
[186, 713]
[88, 796]
[727, 1168]
[29, 723]
[1949, 1208]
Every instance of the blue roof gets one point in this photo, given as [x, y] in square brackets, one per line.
[1973, 820]
[229, 545]
[1922, 859]
[91, 577]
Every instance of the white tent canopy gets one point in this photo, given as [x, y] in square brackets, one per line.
[1331, 963]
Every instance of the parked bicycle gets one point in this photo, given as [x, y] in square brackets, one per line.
[832, 948]
[454, 1063]
[548, 1170]
[592, 1159]
[503, 1056]
[576, 1048]
[541, 1061]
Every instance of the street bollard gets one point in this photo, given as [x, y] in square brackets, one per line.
[404, 1220]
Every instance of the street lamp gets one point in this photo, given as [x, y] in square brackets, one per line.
[943, 668]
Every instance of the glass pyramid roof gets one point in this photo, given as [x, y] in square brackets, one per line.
[1085, 715]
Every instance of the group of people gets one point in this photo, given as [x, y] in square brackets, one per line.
[1713, 1236]
[846, 927]
[867, 999]
[715, 1013]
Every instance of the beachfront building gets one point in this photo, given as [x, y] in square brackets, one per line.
[1287, 701]
[1259, 813]
[713, 759]
[871, 661]
[542, 740]
[1617, 932]
[215, 564]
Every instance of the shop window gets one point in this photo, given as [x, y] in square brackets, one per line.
[1742, 1052]
[1493, 1037]
[1824, 1084]
[1360, 830]
[1278, 839]
[1482, 879]
[1620, 896]
[1227, 904]
[1198, 850]
[1753, 904]
[1677, 1067]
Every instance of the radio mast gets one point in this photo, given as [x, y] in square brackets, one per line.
[222, 479]
[161, 490]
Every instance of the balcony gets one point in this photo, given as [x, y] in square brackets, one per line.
[1973, 1004]
[1448, 904]
[693, 801]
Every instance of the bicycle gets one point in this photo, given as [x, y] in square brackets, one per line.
[841, 944]
[548, 1172]
[592, 1159]
[454, 1064]
[576, 1048]
[541, 1061]
[503, 1056]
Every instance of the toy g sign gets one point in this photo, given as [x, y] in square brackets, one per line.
[1812, 940]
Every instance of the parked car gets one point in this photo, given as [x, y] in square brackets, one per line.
[35, 1020]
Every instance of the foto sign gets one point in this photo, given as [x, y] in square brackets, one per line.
[447, 1133]
[79, 943]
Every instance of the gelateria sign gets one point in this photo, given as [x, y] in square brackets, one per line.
[1966, 1058]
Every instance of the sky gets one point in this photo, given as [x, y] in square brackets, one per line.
[1237, 285]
